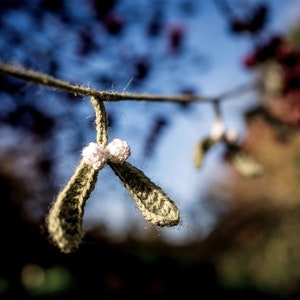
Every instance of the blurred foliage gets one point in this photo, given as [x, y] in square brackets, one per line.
[260, 235]
[257, 243]
[294, 36]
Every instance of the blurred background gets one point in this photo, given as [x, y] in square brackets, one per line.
[239, 234]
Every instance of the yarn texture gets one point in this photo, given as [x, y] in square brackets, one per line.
[153, 203]
[66, 214]
[65, 217]
[118, 151]
[96, 155]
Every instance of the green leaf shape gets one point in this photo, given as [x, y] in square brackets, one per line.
[200, 150]
[245, 164]
[64, 220]
[152, 201]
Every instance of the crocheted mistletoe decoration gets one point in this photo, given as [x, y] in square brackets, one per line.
[64, 220]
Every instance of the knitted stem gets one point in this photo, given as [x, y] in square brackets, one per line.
[154, 204]
[100, 121]
[65, 216]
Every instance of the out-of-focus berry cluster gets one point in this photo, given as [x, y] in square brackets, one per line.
[278, 64]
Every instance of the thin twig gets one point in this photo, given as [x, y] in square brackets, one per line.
[49, 81]
[241, 89]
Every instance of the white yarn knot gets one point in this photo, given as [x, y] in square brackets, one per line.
[97, 155]
[118, 151]
[218, 130]
[231, 136]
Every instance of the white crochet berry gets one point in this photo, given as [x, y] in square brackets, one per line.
[231, 136]
[117, 151]
[218, 130]
[94, 155]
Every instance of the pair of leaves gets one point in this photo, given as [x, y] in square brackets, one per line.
[242, 162]
[65, 218]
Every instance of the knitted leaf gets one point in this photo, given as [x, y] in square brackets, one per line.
[201, 148]
[245, 164]
[154, 204]
[65, 217]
